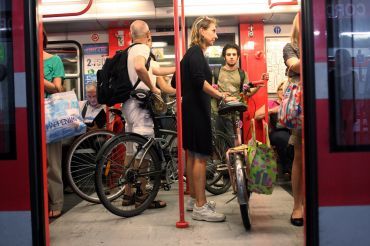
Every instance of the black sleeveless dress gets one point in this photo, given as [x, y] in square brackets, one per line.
[196, 104]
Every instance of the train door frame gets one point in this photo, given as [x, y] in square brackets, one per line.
[310, 153]
[309, 130]
[37, 161]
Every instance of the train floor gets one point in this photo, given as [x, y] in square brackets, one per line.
[88, 224]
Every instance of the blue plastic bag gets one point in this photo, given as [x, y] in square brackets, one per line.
[62, 116]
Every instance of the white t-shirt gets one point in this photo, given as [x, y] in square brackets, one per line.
[91, 112]
[153, 64]
[137, 50]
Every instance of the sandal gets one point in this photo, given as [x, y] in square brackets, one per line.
[54, 214]
[157, 204]
[128, 200]
[153, 205]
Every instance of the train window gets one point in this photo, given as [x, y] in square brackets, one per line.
[163, 47]
[349, 74]
[214, 53]
[70, 53]
[7, 108]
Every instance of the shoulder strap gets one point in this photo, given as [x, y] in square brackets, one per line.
[242, 78]
[216, 73]
[83, 113]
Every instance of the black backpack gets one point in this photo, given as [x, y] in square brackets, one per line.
[113, 81]
[216, 73]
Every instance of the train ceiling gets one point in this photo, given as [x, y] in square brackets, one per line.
[105, 14]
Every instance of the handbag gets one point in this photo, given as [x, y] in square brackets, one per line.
[262, 165]
[62, 116]
[157, 104]
[290, 111]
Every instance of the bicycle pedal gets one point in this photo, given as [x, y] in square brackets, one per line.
[230, 200]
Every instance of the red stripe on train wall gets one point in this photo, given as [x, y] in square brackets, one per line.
[14, 182]
[343, 177]
[18, 36]
[119, 39]
[254, 65]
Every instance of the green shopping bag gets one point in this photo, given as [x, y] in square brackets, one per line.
[262, 169]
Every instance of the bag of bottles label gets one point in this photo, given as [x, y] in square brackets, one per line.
[62, 116]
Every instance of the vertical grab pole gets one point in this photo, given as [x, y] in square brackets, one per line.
[183, 30]
[181, 223]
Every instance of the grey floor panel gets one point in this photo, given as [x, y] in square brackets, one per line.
[88, 224]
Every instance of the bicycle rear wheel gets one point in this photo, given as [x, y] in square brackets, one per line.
[127, 176]
[218, 180]
[242, 192]
[80, 166]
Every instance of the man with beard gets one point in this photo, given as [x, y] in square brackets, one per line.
[234, 81]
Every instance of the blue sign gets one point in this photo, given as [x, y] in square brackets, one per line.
[277, 29]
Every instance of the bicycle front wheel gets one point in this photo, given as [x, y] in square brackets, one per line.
[218, 180]
[128, 176]
[242, 192]
[80, 166]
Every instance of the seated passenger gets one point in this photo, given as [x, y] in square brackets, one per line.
[279, 137]
[92, 112]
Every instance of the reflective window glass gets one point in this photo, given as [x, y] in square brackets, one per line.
[349, 73]
[7, 110]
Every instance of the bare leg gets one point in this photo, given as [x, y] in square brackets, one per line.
[199, 181]
[189, 173]
[297, 182]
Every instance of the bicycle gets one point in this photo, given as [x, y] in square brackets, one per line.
[217, 176]
[131, 168]
[237, 164]
[80, 161]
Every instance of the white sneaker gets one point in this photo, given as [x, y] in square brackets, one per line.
[191, 201]
[207, 213]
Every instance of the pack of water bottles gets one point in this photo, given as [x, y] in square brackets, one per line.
[62, 116]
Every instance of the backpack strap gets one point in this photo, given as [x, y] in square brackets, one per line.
[216, 73]
[83, 113]
[242, 78]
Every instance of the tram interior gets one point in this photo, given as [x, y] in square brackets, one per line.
[106, 25]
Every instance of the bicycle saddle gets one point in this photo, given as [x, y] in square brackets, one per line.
[230, 107]
[115, 111]
[140, 94]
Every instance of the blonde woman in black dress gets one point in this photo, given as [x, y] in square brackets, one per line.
[197, 91]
